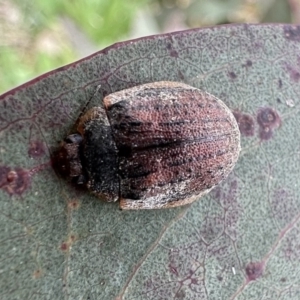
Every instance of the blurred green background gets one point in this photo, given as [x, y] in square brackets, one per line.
[37, 36]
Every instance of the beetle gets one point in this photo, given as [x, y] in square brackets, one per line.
[155, 145]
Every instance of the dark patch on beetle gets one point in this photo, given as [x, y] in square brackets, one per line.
[292, 32]
[246, 123]
[36, 149]
[268, 120]
[254, 270]
[232, 75]
[171, 158]
[279, 83]
[104, 158]
[14, 181]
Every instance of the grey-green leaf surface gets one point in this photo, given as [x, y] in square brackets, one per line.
[242, 241]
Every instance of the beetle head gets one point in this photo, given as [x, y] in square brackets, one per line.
[67, 160]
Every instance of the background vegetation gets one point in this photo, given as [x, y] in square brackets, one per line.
[37, 36]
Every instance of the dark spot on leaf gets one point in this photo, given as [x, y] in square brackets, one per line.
[258, 45]
[210, 229]
[265, 133]
[74, 204]
[36, 149]
[194, 281]
[173, 53]
[232, 75]
[292, 33]
[284, 205]
[247, 64]
[227, 197]
[180, 295]
[180, 75]
[245, 122]
[254, 270]
[14, 181]
[216, 193]
[64, 247]
[294, 74]
[279, 83]
[173, 270]
[37, 273]
[72, 238]
[268, 117]
[268, 120]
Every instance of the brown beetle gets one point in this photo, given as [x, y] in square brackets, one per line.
[162, 144]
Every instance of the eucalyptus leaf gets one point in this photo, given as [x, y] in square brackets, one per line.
[241, 241]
